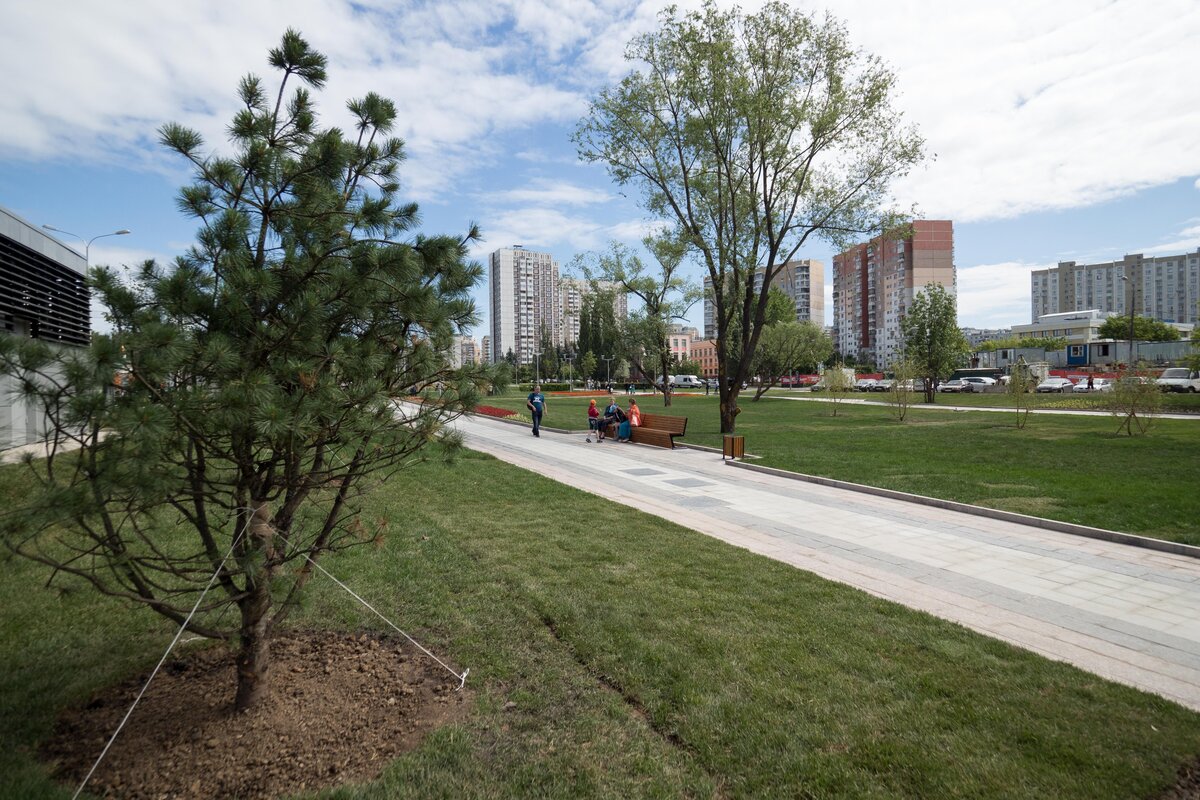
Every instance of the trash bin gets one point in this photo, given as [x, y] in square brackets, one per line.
[733, 447]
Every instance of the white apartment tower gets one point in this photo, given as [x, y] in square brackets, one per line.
[524, 300]
[1166, 288]
[803, 280]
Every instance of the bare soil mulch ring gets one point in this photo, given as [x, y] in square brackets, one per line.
[341, 707]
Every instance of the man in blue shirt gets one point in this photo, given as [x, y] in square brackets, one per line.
[536, 402]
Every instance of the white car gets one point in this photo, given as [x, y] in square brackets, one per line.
[977, 384]
[1098, 385]
[1059, 385]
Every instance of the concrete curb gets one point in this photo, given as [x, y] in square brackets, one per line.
[1174, 548]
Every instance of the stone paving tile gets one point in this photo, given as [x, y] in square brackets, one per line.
[1122, 612]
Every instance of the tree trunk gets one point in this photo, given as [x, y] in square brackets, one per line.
[665, 364]
[253, 659]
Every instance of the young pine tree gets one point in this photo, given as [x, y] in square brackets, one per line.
[261, 373]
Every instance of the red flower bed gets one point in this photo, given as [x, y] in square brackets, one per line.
[492, 411]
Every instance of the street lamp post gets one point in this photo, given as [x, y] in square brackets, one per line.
[570, 373]
[537, 372]
[608, 369]
[1129, 302]
[87, 246]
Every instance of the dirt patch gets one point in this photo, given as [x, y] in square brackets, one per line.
[1187, 785]
[341, 707]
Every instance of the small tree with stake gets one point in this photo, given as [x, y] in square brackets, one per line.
[263, 367]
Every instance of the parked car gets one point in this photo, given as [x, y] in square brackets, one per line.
[955, 385]
[864, 384]
[977, 384]
[1059, 385]
[883, 385]
[1179, 379]
[1098, 385]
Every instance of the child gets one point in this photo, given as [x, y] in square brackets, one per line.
[593, 420]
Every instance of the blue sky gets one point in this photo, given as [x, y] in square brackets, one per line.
[1060, 133]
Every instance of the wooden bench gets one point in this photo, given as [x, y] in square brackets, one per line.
[658, 430]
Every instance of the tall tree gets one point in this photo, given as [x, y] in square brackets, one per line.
[665, 294]
[751, 134]
[1145, 329]
[263, 366]
[933, 342]
[786, 346]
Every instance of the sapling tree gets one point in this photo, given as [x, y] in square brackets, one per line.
[261, 373]
[1135, 399]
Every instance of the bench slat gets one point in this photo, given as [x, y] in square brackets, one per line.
[653, 436]
[673, 425]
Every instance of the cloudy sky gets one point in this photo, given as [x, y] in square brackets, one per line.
[1064, 131]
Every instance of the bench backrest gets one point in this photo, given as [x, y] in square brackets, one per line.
[672, 425]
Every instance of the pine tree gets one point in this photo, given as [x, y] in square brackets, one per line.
[264, 369]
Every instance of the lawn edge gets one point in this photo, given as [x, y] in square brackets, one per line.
[1118, 537]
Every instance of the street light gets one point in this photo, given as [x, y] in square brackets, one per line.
[608, 368]
[1129, 302]
[570, 374]
[87, 247]
[537, 372]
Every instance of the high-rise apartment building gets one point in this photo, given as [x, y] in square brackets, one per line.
[1165, 288]
[524, 302]
[874, 283]
[485, 350]
[803, 280]
[466, 351]
[572, 291]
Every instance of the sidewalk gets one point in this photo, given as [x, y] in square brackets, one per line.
[1125, 613]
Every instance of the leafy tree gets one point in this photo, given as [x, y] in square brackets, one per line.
[751, 133]
[784, 347]
[547, 362]
[933, 343]
[1049, 343]
[688, 367]
[262, 369]
[598, 328]
[666, 296]
[587, 365]
[1145, 329]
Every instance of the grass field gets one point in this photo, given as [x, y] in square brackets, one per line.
[1070, 468]
[644, 660]
[1172, 402]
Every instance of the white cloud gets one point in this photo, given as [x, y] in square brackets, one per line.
[1185, 240]
[552, 192]
[995, 295]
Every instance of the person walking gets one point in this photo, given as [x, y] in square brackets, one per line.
[536, 402]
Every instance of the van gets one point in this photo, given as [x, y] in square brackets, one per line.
[1179, 379]
[686, 382]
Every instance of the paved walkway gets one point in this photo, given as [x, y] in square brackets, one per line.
[1125, 613]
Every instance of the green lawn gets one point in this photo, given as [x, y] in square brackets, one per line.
[1173, 402]
[1071, 468]
[644, 660]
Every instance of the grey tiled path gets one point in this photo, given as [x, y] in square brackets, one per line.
[1125, 613]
